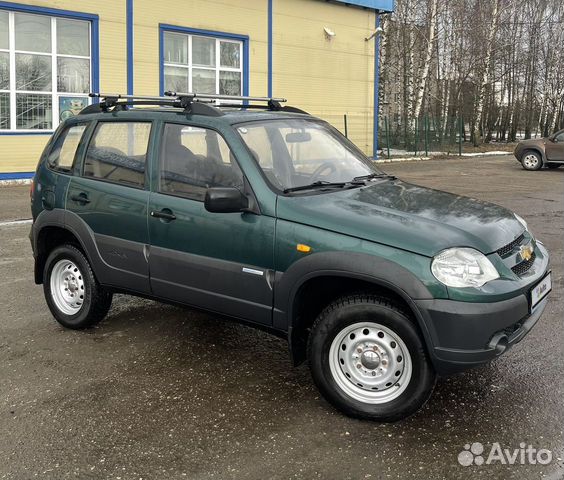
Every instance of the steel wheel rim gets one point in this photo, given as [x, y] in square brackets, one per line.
[370, 363]
[67, 287]
[531, 161]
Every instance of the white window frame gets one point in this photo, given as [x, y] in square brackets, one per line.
[54, 93]
[217, 68]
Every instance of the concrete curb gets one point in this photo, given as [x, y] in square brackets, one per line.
[15, 182]
[441, 156]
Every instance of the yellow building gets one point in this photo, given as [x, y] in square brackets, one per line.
[318, 54]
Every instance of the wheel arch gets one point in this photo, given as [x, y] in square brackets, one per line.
[48, 238]
[51, 229]
[536, 149]
[342, 273]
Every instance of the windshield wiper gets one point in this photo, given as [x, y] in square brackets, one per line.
[370, 176]
[316, 185]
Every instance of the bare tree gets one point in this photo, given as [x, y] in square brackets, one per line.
[499, 65]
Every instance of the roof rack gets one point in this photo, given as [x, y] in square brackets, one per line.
[192, 103]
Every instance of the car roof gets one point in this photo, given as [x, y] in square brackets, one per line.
[230, 115]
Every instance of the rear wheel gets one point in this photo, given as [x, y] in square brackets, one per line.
[531, 160]
[73, 294]
[368, 360]
[553, 165]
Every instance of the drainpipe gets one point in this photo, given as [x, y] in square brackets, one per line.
[376, 88]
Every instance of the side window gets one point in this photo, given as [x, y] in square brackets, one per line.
[195, 159]
[64, 150]
[118, 153]
[560, 137]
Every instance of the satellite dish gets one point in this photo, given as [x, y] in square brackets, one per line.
[330, 33]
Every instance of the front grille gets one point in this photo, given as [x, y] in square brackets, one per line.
[507, 249]
[524, 266]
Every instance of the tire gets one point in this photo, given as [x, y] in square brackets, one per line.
[553, 166]
[71, 290]
[531, 160]
[367, 385]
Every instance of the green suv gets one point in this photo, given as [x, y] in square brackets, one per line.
[267, 215]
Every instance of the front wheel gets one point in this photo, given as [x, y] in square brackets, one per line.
[531, 160]
[73, 294]
[368, 360]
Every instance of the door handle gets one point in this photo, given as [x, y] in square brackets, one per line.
[81, 198]
[164, 214]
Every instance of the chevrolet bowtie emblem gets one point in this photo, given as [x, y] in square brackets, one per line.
[526, 252]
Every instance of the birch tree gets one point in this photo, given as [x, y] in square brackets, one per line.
[424, 75]
[486, 72]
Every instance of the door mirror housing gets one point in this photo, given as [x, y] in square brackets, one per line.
[225, 200]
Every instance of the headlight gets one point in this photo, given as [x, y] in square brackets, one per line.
[463, 267]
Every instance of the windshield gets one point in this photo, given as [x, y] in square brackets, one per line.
[295, 153]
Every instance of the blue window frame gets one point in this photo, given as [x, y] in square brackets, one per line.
[203, 61]
[45, 79]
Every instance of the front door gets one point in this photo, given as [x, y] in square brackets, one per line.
[218, 261]
[555, 148]
[110, 198]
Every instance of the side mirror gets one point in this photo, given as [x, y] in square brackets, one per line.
[225, 200]
[552, 138]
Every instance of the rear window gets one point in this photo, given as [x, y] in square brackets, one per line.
[64, 150]
[118, 153]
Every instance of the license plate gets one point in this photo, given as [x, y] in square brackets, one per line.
[541, 290]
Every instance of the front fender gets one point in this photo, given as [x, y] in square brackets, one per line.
[376, 270]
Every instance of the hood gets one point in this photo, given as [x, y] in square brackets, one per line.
[406, 216]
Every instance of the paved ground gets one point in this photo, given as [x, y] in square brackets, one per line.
[156, 392]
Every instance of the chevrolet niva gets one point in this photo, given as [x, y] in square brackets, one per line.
[267, 215]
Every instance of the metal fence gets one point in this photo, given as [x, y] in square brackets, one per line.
[426, 136]
[422, 136]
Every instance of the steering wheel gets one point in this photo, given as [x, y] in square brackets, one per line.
[319, 170]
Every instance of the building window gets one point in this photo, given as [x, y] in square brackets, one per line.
[45, 69]
[202, 63]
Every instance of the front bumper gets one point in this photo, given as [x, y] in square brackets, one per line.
[466, 334]
[461, 333]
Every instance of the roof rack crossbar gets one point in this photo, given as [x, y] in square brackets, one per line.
[192, 103]
[213, 96]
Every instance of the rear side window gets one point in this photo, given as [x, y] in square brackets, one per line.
[118, 153]
[63, 152]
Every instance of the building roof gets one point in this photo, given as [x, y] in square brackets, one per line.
[381, 5]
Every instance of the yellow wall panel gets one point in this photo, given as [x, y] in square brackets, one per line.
[237, 17]
[328, 77]
[20, 153]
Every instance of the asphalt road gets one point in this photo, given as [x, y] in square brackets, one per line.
[157, 392]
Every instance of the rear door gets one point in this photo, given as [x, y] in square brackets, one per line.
[110, 198]
[218, 261]
[555, 148]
